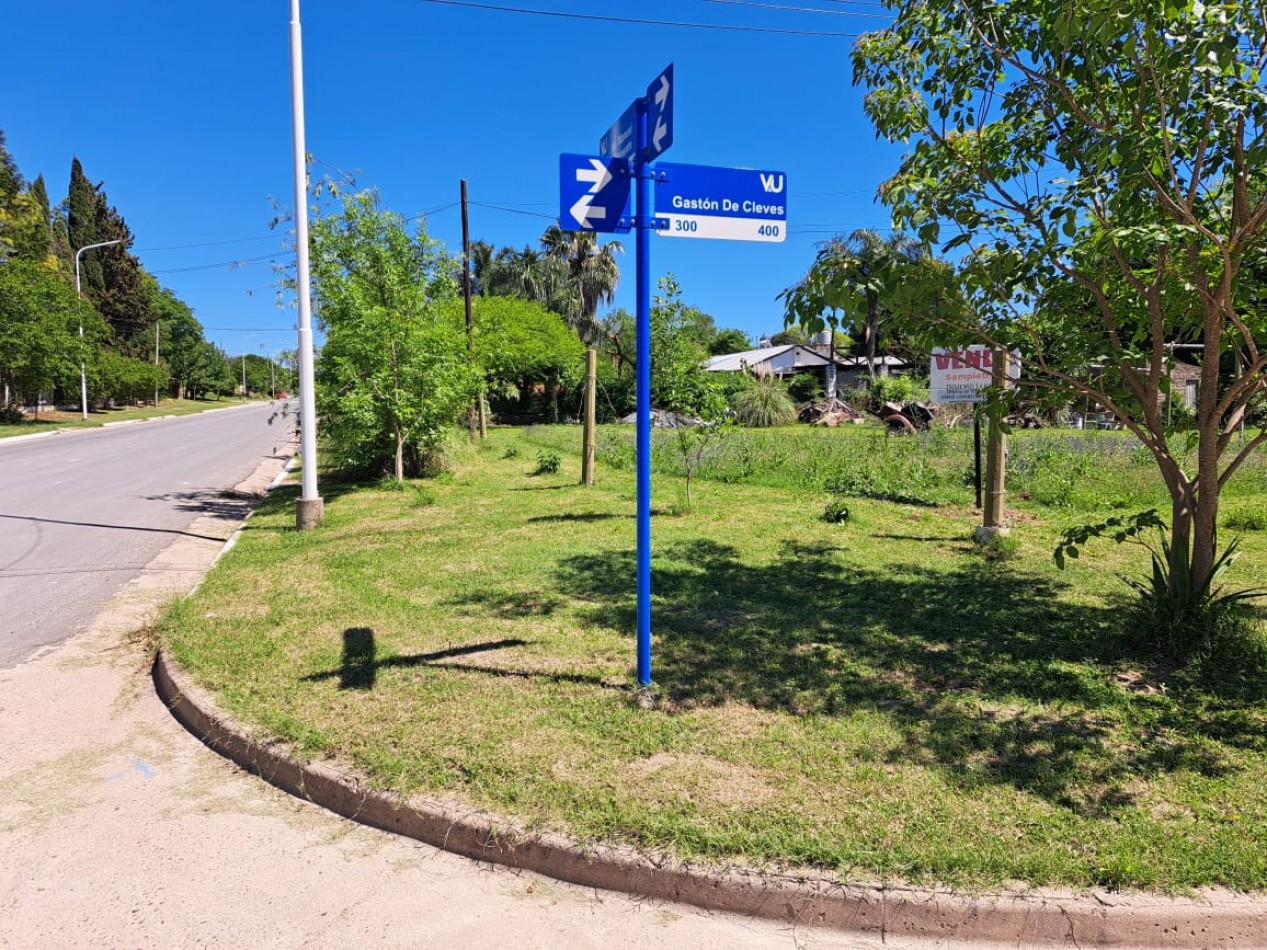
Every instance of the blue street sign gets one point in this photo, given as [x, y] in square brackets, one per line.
[731, 204]
[621, 140]
[659, 115]
[593, 193]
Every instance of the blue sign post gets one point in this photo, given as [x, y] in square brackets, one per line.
[696, 201]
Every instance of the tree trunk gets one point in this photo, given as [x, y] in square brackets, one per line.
[400, 452]
[869, 332]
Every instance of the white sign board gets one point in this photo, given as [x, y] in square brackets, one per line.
[961, 375]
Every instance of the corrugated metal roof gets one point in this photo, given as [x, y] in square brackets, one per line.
[734, 362]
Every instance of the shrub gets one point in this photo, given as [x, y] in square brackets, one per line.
[764, 403]
[548, 463]
[836, 511]
[805, 387]
[1245, 520]
[512, 452]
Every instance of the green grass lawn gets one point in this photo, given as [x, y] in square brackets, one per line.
[49, 421]
[875, 699]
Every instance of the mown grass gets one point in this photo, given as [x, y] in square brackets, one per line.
[876, 699]
[49, 421]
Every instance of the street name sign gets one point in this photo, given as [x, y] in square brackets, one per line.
[621, 140]
[963, 375]
[659, 114]
[594, 193]
[729, 204]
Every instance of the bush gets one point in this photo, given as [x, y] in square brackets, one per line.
[836, 511]
[805, 387]
[764, 403]
[548, 463]
[1245, 520]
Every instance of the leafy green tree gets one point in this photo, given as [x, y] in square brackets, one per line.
[679, 381]
[393, 376]
[10, 176]
[1105, 146]
[517, 341]
[40, 346]
[789, 335]
[729, 341]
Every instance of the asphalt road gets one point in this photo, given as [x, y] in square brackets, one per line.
[83, 512]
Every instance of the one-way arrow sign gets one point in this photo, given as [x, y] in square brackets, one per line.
[593, 193]
[659, 114]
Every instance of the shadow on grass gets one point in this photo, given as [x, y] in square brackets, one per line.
[359, 665]
[509, 604]
[986, 672]
[583, 517]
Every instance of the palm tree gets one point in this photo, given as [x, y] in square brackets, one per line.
[590, 277]
[850, 275]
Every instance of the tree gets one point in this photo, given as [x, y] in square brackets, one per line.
[517, 341]
[40, 347]
[111, 277]
[393, 376]
[847, 283]
[791, 334]
[729, 341]
[1111, 147]
[591, 274]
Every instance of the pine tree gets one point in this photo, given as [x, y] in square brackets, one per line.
[43, 234]
[81, 228]
[10, 177]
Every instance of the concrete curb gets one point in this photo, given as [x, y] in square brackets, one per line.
[1038, 918]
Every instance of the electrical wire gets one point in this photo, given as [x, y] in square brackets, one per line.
[787, 9]
[182, 247]
[561, 14]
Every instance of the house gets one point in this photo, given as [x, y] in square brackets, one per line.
[842, 373]
[779, 361]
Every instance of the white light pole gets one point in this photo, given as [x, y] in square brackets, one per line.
[83, 370]
[309, 508]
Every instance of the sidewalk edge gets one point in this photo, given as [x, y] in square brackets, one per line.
[1220, 919]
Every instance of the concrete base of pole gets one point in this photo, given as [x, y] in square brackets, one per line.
[988, 534]
[309, 512]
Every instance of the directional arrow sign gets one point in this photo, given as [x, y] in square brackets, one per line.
[730, 204]
[621, 140]
[659, 114]
[593, 193]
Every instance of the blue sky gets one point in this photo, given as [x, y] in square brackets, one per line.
[183, 110]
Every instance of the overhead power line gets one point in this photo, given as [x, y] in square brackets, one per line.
[182, 247]
[565, 15]
[786, 9]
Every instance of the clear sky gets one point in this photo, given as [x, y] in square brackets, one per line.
[183, 111]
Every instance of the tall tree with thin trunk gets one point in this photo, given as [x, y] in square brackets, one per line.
[1117, 147]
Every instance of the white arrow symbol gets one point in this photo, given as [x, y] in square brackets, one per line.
[662, 94]
[598, 176]
[583, 212]
[661, 97]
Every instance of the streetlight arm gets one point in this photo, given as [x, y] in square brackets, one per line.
[83, 369]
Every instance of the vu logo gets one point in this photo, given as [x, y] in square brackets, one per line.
[772, 183]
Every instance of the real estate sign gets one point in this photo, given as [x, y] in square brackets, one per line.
[961, 375]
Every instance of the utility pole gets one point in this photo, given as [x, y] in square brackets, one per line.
[243, 376]
[156, 382]
[83, 369]
[310, 507]
[474, 411]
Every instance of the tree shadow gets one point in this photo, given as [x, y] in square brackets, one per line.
[509, 604]
[988, 673]
[582, 517]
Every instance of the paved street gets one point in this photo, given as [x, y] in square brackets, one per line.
[83, 512]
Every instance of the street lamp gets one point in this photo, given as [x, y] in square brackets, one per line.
[310, 508]
[83, 370]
